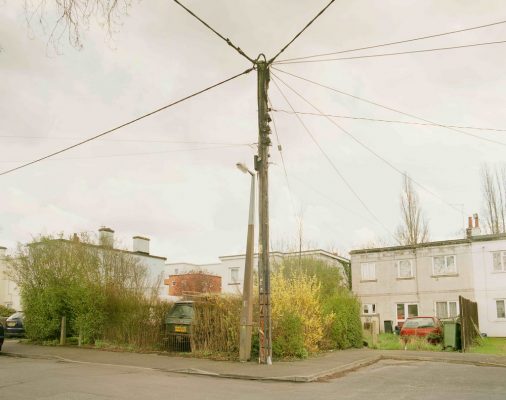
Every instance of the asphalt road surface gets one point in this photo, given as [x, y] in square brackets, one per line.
[23, 378]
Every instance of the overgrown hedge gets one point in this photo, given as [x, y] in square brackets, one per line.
[103, 293]
[216, 325]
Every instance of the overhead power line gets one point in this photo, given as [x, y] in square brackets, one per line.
[393, 121]
[396, 42]
[393, 54]
[393, 109]
[333, 165]
[126, 123]
[280, 150]
[126, 140]
[227, 40]
[366, 147]
[300, 33]
[137, 154]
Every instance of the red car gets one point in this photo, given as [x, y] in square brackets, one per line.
[422, 327]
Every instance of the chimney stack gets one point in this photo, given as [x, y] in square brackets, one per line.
[473, 229]
[140, 245]
[106, 237]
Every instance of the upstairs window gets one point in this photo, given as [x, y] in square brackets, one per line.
[234, 275]
[444, 265]
[368, 271]
[405, 269]
[499, 261]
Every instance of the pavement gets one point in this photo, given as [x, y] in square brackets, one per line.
[322, 367]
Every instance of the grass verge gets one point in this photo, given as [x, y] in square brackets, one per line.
[489, 345]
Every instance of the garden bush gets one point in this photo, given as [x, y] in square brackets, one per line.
[216, 325]
[101, 291]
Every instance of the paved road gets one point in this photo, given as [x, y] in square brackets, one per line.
[23, 378]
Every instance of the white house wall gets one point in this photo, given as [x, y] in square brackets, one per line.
[489, 286]
[424, 288]
[9, 293]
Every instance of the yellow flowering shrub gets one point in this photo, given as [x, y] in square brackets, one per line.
[296, 312]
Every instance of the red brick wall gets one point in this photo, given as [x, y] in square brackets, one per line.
[193, 282]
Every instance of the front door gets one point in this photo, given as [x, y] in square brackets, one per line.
[406, 310]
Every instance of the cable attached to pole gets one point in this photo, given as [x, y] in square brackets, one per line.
[227, 40]
[300, 33]
[126, 123]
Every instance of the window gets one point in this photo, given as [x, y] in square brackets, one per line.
[234, 275]
[501, 312]
[368, 271]
[444, 265]
[446, 309]
[499, 263]
[406, 310]
[369, 309]
[405, 269]
[174, 283]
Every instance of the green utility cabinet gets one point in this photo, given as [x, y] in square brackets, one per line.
[451, 335]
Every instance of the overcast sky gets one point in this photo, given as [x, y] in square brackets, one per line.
[188, 197]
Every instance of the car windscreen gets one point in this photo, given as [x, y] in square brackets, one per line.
[181, 311]
[419, 323]
[18, 315]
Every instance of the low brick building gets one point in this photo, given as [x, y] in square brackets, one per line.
[193, 282]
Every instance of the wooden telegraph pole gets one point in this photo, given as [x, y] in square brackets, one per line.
[262, 168]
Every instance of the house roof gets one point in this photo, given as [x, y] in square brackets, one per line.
[135, 253]
[478, 238]
[292, 253]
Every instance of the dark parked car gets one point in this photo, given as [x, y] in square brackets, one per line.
[429, 327]
[14, 325]
[1, 336]
[179, 326]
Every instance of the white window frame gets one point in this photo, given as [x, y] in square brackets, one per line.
[502, 261]
[446, 265]
[398, 266]
[405, 311]
[447, 308]
[497, 310]
[368, 308]
[370, 266]
[232, 270]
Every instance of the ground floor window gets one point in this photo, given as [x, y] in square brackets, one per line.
[501, 312]
[446, 309]
[406, 310]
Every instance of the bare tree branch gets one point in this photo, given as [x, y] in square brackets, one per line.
[493, 183]
[413, 228]
[71, 18]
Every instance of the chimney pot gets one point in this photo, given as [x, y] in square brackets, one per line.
[476, 221]
[470, 222]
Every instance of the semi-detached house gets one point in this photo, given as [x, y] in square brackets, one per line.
[426, 279]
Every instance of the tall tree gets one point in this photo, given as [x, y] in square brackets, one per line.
[413, 228]
[493, 183]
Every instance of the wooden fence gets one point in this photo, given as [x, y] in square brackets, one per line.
[470, 328]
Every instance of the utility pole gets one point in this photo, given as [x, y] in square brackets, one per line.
[262, 167]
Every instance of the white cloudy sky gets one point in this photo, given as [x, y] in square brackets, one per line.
[190, 199]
